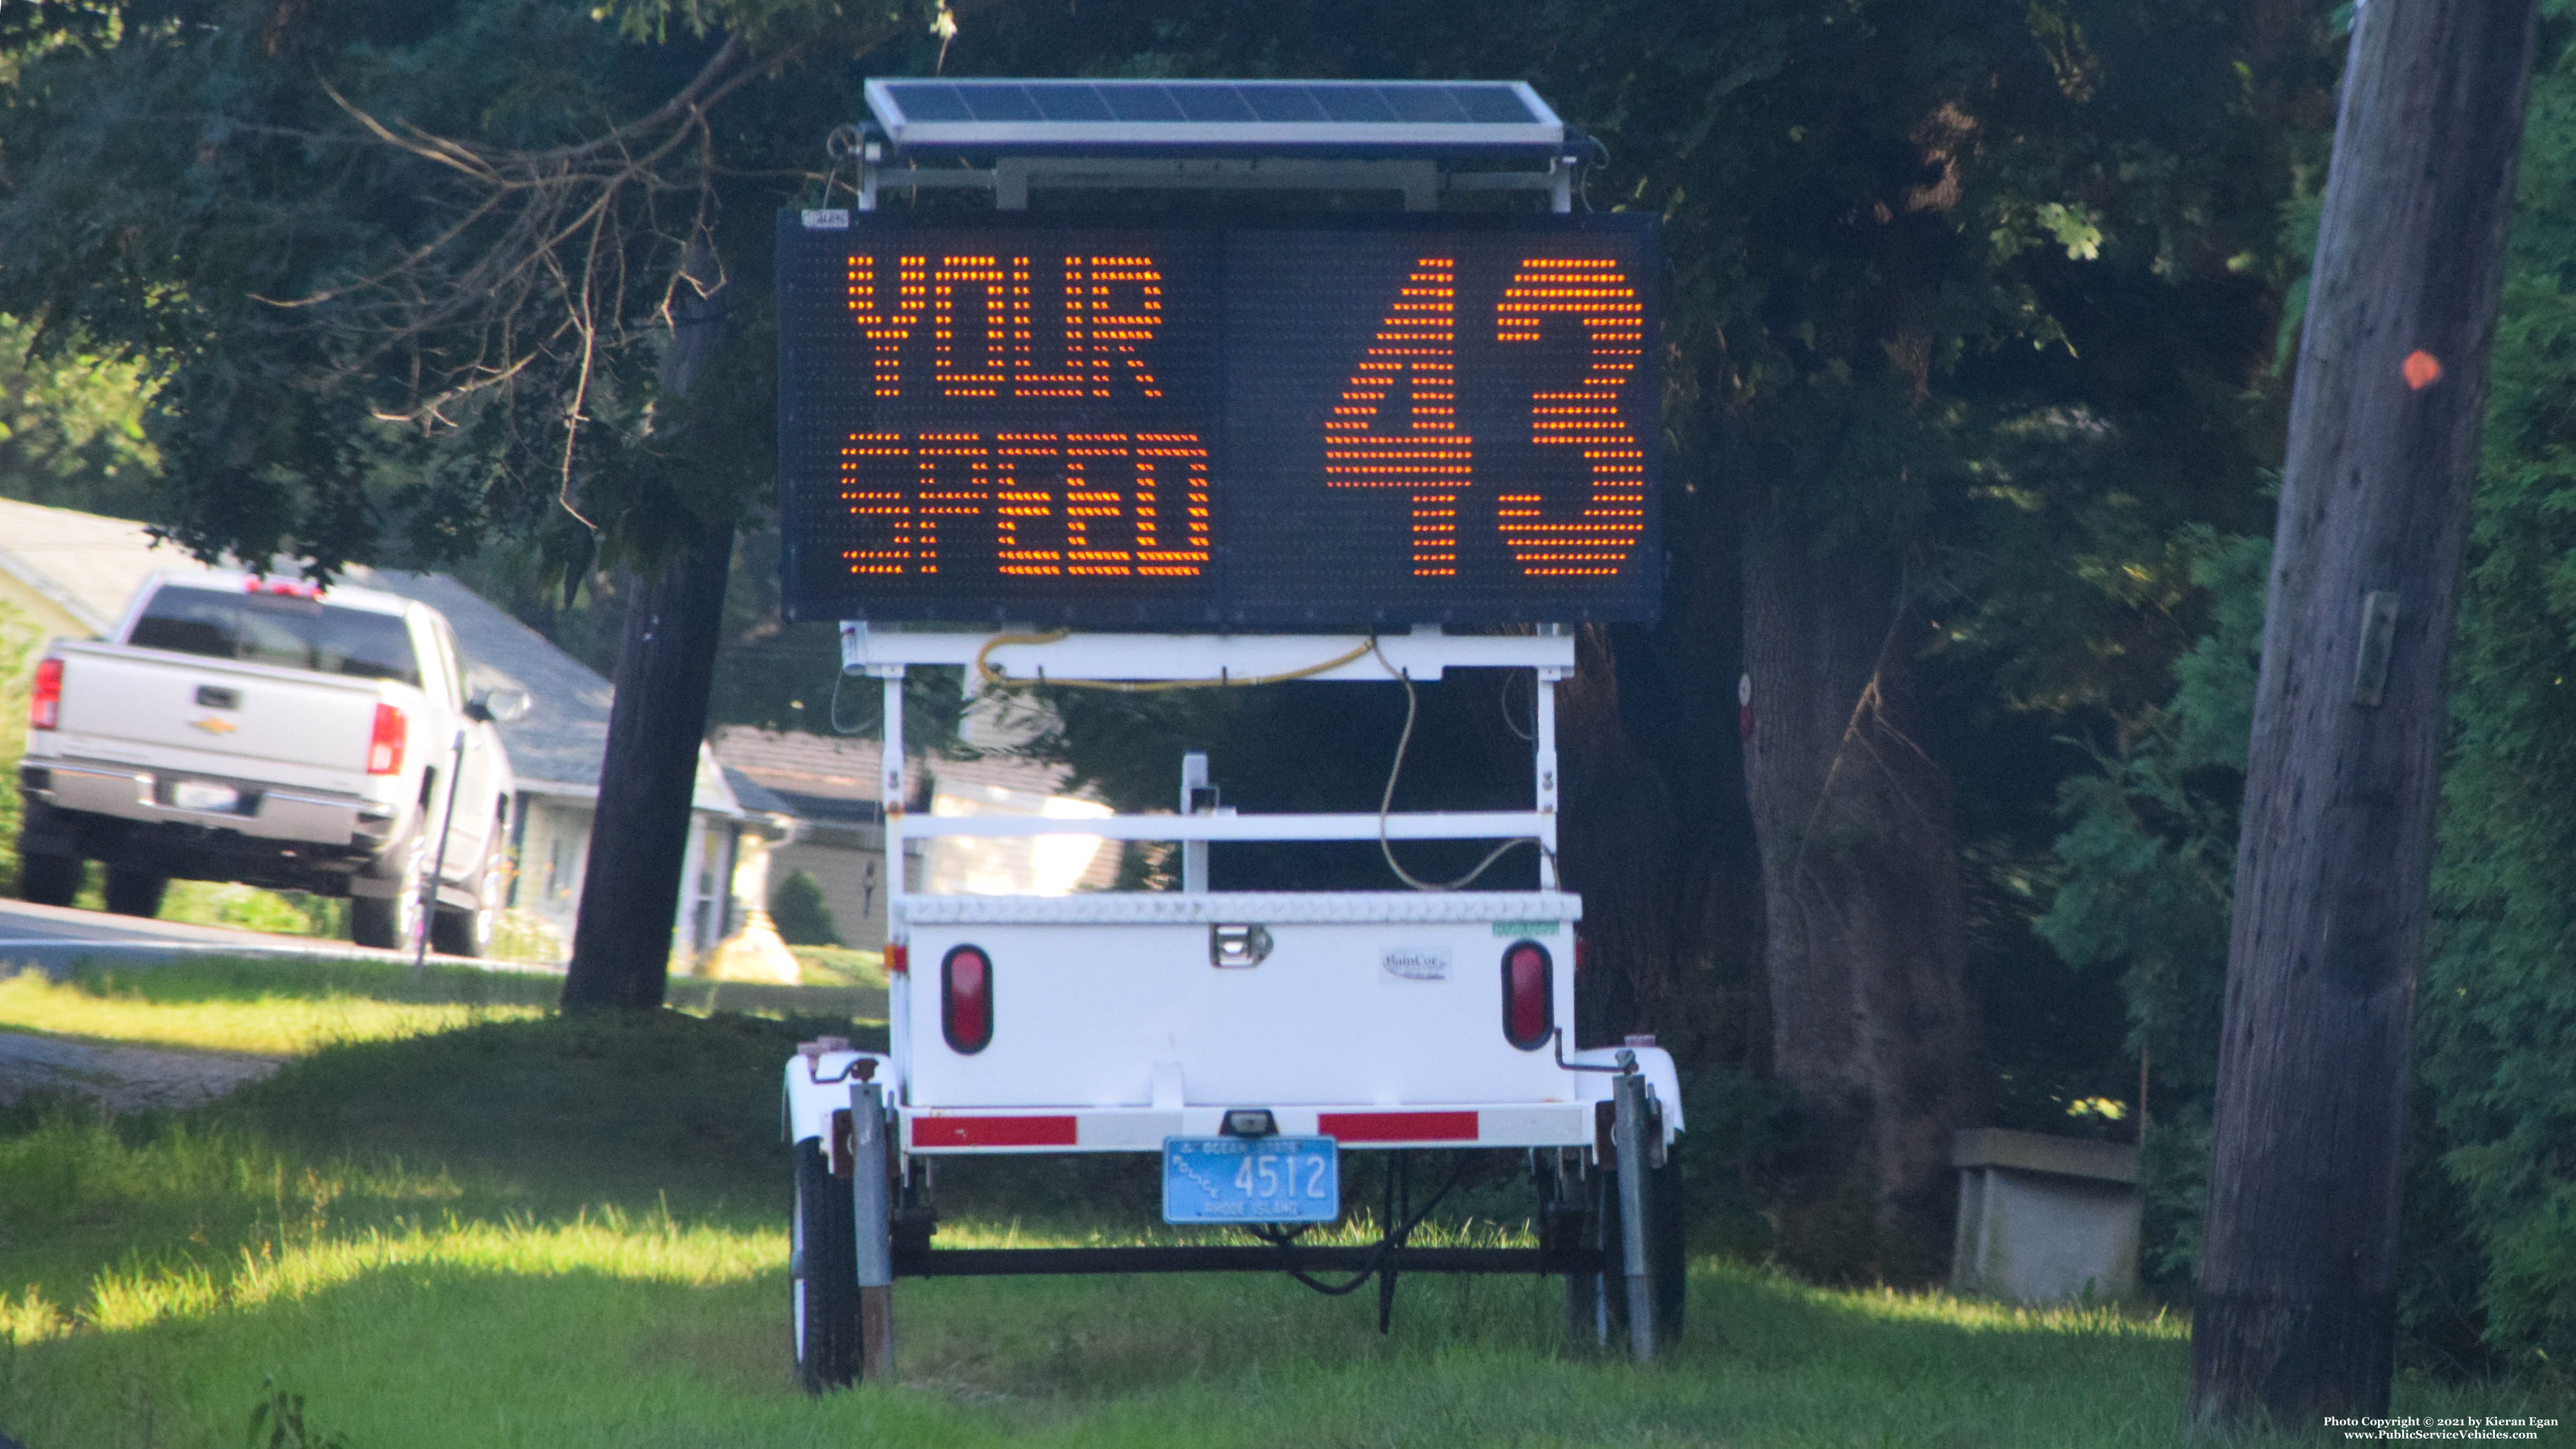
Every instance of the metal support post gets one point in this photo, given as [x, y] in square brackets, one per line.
[1544, 726]
[438, 861]
[1628, 1129]
[872, 1204]
[898, 876]
[1194, 801]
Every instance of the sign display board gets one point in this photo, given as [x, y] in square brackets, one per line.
[1370, 422]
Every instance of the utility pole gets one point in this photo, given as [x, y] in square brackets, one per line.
[2296, 1311]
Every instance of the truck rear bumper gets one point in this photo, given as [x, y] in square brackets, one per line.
[977, 1131]
[189, 845]
[259, 812]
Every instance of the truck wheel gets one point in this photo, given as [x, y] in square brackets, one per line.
[135, 892]
[390, 922]
[823, 1273]
[469, 932]
[49, 880]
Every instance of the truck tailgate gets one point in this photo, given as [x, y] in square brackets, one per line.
[276, 725]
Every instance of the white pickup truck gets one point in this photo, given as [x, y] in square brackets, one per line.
[269, 731]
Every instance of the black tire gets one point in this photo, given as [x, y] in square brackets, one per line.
[382, 921]
[1667, 1262]
[823, 1270]
[135, 892]
[1596, 1305]
[49, 880]
[469, 932]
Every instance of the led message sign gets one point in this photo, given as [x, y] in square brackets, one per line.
[1381, 422]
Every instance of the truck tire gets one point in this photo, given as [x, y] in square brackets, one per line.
[823, 1273]
[469, 932]
[387, 922]
[132, 891]
[49, 880]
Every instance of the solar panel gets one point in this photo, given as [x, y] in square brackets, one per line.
[1129, 116]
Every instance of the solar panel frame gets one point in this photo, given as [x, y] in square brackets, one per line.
[985, 116]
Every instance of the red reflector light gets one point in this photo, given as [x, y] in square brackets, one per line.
[385, 746]
[966, 998]
[995, 1131]
[45, 706]
[1398, 1126]
[898, 959]
[1529, 995]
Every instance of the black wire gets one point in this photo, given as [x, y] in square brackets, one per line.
[832, 712]
[1386, 1244]
[1529, 736]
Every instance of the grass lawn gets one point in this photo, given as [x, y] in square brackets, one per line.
[274, 1006]
[570, 1232]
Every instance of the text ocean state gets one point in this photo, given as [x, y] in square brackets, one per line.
[1387, 421]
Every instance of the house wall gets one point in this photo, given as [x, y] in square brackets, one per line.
[554, 851]
[853, 881]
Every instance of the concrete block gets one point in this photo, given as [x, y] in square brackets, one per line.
[2044, 1218]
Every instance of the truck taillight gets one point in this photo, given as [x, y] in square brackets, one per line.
[898, 959]
[385, 746]
[45, 706]
[966, 998]
[1529, 995]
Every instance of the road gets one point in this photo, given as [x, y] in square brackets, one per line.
[53, 937]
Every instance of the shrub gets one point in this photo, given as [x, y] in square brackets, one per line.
[799, 911]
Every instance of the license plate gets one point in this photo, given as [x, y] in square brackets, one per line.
[1251, 1180]
[198, 795]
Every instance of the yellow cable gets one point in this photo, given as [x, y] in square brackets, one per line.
[985, 671]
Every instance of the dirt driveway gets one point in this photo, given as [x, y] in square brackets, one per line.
[124, 1078]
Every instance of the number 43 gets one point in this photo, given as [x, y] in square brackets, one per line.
[1417, 343]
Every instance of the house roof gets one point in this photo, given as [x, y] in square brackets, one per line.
[559, 747]
[835, 776]
[82, 564]
[834, 780]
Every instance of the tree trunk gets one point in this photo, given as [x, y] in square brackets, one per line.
[1655, 835]
[630, 889]
[1872, 1022]
[2295, 1314]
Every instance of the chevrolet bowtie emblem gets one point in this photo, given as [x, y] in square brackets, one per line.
[214, 724]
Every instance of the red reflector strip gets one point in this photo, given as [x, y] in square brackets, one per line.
[993, 1131]
[1398, 1126]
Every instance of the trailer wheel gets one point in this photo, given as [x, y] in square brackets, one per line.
[1584, 1211]
[1667, 1257]
[49, 880]
[823, 1271]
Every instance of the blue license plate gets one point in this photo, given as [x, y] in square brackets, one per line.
[1251, 1180]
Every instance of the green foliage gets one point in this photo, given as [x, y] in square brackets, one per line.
[278, 1418]
[803, 918]
[20, 642]
[2498, 1004]
[2488, 1275]
[71, 429]
[2147, 866]
[295, 913]
[360, 351]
